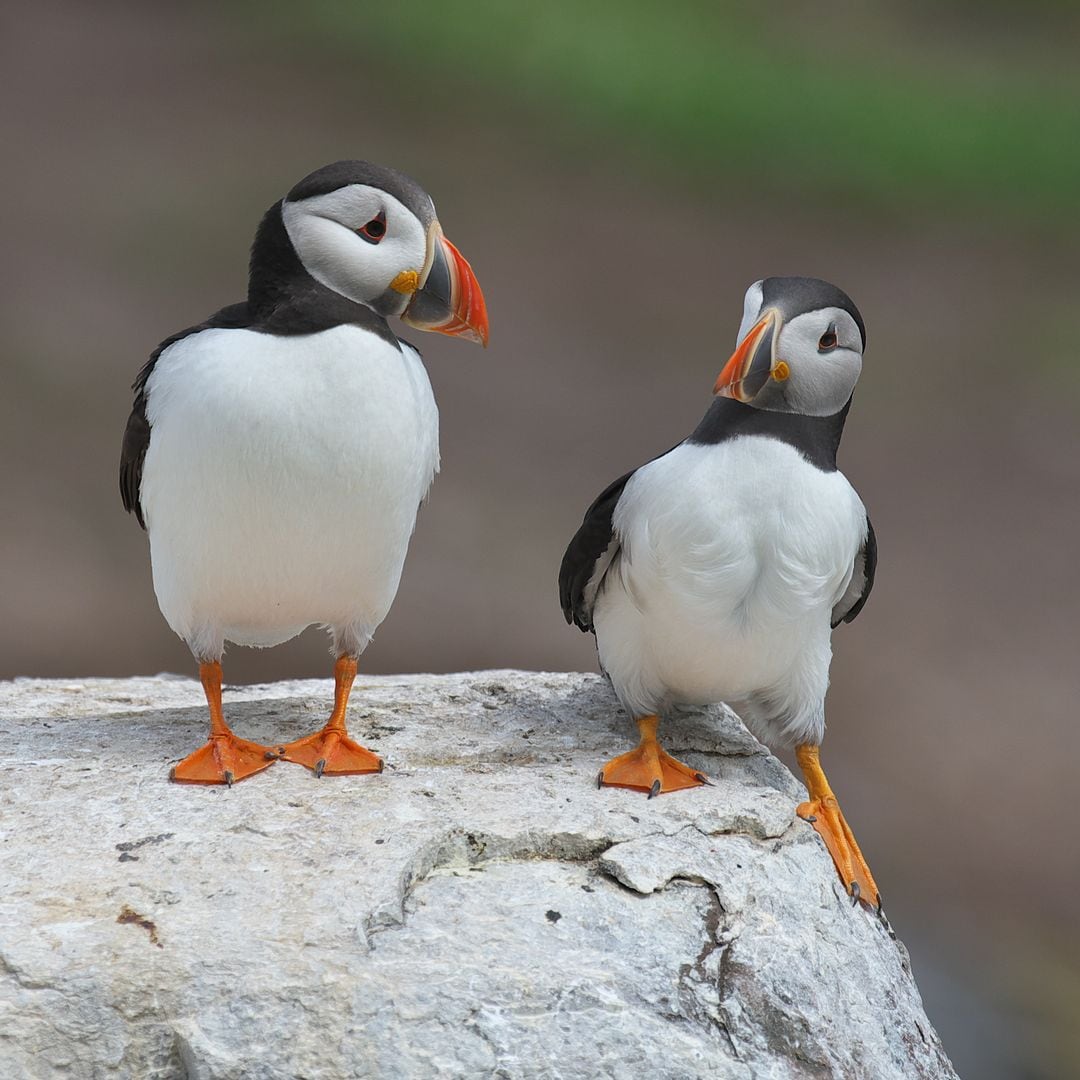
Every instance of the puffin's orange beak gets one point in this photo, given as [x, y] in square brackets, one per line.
[753, 363]
[450, 301]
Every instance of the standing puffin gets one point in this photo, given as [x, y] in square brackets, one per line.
[277, 453]
[718, 571]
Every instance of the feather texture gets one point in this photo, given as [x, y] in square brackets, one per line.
[731, 560]
[281, 481]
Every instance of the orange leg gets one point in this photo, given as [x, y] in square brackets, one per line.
[649, 768]
[225, 758]
[823, 812]
[331, 752]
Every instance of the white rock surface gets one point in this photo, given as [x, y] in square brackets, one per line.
[479, 909]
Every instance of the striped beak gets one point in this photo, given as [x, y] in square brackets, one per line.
[449, 301]
[754, 361]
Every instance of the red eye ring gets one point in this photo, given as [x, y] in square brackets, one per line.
[828, 340]
[374, 230]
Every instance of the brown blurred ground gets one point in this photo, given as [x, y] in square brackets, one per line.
[142, 149]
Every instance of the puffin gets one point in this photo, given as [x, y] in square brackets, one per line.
[718, 571]
[277, 453]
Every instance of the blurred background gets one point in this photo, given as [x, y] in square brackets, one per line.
[618, 173]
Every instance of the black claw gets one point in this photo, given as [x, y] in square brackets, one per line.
[271, 755]
[319, 766]
[655, 789]
[228, 778]
[600, 779]
[281, 751]
[884, 920]
[382, 764]
[702, 778]
[854, 890]
[811, 819]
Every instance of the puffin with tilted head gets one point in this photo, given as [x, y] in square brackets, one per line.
[718, 571]
[277, 453]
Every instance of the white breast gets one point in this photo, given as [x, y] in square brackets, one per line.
[282, 480]
[732, 558]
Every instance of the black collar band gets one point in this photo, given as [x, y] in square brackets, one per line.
[283, 298]
[815, 437]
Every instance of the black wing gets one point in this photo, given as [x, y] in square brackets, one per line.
[862, 580]
[137, 432]
[132, 453]
[589, 553]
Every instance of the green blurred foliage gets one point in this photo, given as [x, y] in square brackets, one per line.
[853, 104]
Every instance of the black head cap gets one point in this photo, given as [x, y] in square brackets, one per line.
[793, 296]
[342, 173]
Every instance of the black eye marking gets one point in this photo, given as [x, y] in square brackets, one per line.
[828, 340]
[374, 230]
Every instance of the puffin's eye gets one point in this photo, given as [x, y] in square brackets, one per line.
[374, 230]
[828, 340]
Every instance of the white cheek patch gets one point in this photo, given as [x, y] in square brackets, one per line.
[823, 389]
[353, 205]
[819, 383]
[325, 247]
[323, 234]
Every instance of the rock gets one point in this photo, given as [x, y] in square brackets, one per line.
[479, 909]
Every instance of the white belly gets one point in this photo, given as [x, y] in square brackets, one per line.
[732, 559]
[282, 480]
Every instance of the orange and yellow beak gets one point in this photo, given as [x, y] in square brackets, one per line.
[754, 361]
[449, 301]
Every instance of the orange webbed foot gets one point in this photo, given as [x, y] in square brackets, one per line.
[225, 759]
[649, 767]
[331, 752]
[823, 812]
